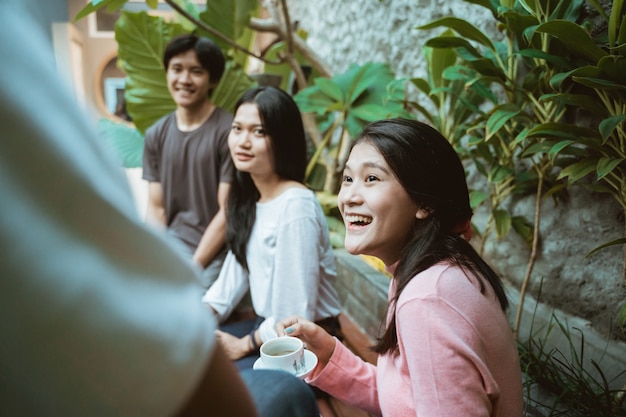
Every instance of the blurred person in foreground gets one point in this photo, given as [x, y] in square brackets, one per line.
[101, 315]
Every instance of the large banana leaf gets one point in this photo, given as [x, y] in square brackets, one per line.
[141, 41]
[230, 18]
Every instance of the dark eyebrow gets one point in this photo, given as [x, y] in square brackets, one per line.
[237, 122]
[377, 166]
[371, 165]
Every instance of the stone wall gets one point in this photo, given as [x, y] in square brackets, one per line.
[358, 31]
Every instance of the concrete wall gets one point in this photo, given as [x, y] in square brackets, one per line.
[359, 31]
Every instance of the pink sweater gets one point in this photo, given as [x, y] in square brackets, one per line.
[457, 355]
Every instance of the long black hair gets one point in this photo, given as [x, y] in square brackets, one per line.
[282, 123]
[430, 171]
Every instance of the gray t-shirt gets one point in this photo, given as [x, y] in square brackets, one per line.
[190, 167]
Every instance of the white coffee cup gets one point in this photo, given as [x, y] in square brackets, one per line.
[285, 353]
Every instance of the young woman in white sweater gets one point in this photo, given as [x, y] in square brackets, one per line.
[277, 234]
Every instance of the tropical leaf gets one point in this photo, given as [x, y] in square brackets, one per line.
[452, 42]
[189, 7]
[562, 130]
[124, 140]
[463, 28]
[503, 222]
[523, 228]
[558, 147]
[499, 173]
[312, 100]
[599, 83]
[141, 41]
[370, 112]
[615, 27]
[539, 54]
[607, 165]
[95, 5]
[477, 197]
[360, 87]
[438, 60]
[232, 85]
[499, 117]
[608, 125]
[331, 89]
[230, 18]
[578, 170]
[574, 37]
[576, 100]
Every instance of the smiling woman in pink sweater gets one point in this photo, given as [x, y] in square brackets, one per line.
[447, 349]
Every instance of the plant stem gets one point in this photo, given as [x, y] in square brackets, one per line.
[533, 255]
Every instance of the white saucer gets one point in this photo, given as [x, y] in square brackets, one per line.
[310, 361]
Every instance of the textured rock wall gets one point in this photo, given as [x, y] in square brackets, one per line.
[358, 31]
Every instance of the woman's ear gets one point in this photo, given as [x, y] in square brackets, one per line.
[422, 213]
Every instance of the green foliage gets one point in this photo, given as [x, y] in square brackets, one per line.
[359, 95]
[456, 107]
[518, 107]
[141, 41]
[578, 387]
[538, 111]
[230, 19]
[126, 141]
[343, 105]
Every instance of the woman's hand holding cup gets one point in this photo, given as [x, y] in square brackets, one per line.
[317, 340]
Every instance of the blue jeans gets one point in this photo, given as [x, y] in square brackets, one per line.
[280, 394]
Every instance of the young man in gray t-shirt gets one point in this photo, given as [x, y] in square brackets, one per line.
[186, 158]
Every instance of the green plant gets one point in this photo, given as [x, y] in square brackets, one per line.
[510, 75]
[536, 83]
[574, 390]
[453, 107]
[343, 105]
[598, 88]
